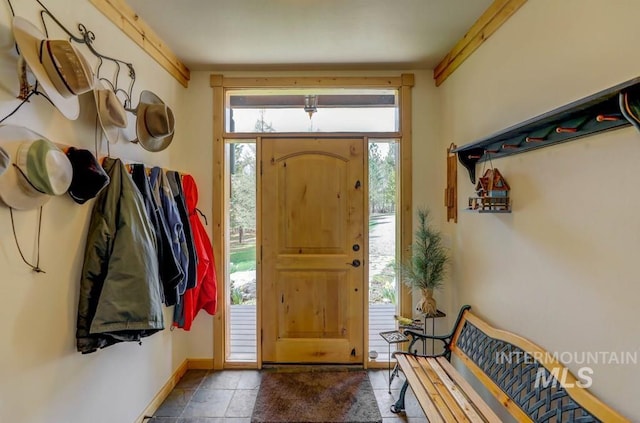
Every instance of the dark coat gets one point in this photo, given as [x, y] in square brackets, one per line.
[120, 292]
[162, 191]
[175, 185]
[170, 271]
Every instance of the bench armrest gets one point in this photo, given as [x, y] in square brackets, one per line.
[445, 339]
[417, 336]
[424, 336]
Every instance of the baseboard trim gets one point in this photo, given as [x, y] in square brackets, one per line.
[200, 363]
[187, 364]
[164, 392]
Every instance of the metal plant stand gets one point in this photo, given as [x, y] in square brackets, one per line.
[392, 337]
[433, 318]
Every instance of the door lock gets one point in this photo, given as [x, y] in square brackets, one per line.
[356, 247]
[355, 263]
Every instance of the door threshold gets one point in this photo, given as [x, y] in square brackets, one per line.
[294, 368]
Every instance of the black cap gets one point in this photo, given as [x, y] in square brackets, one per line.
[89, 178]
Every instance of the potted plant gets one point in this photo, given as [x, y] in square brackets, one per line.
[425, 270]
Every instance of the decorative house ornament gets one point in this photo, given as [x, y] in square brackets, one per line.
[492, 193]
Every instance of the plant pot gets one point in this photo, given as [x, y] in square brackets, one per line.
[427, 304]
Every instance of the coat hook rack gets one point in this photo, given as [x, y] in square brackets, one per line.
[87, 38]
[613, 118]
[591, 115]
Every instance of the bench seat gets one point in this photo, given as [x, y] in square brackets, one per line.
[443, 394]
[528, 381]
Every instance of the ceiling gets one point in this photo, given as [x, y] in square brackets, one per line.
[310, 34]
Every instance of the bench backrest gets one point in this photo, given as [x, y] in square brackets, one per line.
[526, 379]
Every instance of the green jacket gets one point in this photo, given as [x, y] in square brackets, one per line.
[120, 291]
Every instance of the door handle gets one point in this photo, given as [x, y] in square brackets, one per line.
[355, 263]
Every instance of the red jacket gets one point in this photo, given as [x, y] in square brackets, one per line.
[204, 294]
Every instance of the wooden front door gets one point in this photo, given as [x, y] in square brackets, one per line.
[313, 250]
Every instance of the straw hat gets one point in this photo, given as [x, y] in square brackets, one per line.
[40, 169]
[155, 122]
[111, 112]
[61, 70]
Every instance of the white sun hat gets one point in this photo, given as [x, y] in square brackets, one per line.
[111, 112]
[39, 170]
[61, 70]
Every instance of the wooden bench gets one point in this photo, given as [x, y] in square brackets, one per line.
[530, 383]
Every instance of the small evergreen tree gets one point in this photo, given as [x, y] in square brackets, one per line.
[425, 270]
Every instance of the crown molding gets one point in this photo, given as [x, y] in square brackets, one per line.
[125, 18]
[488, 23]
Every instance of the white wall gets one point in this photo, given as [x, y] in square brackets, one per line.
[42, 377]
[560, 270]
[196, 154]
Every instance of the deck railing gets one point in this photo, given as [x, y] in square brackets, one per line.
[243, 341]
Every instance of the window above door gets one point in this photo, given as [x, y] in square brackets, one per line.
[311, 110]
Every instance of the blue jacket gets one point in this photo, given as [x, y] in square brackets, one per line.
[160, 188]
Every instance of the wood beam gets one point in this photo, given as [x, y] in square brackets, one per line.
[405, 210]
[220, 338]
[492, 19]
[125, 18]
[311, 81]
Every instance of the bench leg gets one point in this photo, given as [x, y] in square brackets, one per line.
[398, 407]
[393, 374]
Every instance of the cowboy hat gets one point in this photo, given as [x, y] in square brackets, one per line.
[5, 160]
[89, 178]
[61, 70]
[154, 124]
[111, 112]
[39, 170]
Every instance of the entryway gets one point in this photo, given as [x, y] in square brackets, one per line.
[295, 300]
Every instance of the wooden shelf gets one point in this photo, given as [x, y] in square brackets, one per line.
[591, 115]
[492, 211]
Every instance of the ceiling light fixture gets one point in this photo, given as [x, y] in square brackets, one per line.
[310, 104]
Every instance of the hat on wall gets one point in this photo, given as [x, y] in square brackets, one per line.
[5, 160]
[89, 178]
[111, 112]
[39, 170]
[61, 70]
[155, 122]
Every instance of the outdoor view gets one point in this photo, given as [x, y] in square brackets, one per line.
[242, 242]
[242, 247]
[323, 110]
[383, 290]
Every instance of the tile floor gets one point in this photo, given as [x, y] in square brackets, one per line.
[203, 396]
